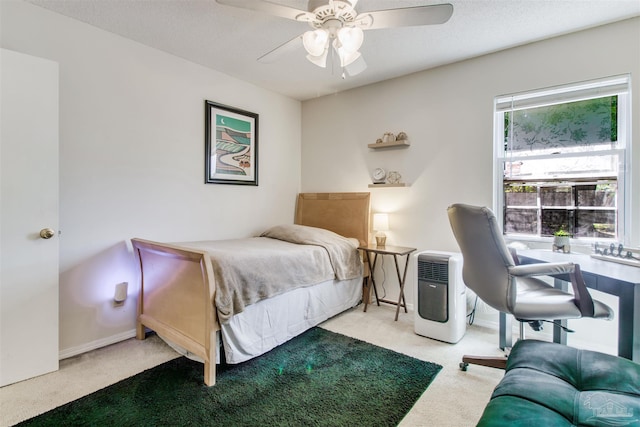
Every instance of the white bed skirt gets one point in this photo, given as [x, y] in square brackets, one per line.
[267, 324]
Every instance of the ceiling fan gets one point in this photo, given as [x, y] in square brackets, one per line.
[337, 24]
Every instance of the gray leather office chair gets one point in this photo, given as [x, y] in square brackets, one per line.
[491, 270]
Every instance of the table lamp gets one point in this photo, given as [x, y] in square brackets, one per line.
[381, 224]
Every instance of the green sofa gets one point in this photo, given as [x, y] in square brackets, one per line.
[549, 384]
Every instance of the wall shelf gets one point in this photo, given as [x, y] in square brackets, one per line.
[401, 143]
[400, 184]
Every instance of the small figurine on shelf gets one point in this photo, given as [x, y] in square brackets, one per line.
[394, 177]
[402, 136]
[388, 137]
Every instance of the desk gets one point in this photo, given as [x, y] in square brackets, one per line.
[396, 251]
[612, 278]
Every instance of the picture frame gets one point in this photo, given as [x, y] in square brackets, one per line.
[231, 145]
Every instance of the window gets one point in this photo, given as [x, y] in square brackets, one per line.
[561, 161]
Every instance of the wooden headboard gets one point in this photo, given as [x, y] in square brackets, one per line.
[344, 213]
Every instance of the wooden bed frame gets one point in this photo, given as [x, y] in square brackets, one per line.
[177, 285]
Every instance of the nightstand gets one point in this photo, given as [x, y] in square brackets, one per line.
[372, 251]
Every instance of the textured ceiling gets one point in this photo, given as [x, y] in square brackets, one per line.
[230, 40]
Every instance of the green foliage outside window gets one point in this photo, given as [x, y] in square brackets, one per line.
[579, 123]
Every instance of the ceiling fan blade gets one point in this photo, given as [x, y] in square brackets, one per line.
[271, 9]
[272, 56]
[405, 17]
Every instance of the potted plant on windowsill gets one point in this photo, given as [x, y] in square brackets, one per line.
[561, 241]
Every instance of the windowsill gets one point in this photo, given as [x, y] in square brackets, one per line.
[546, 242]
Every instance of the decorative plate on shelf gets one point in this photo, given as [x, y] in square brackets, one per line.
[379, 175]
[394, 177]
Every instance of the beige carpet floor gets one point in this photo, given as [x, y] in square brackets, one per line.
[455, 398]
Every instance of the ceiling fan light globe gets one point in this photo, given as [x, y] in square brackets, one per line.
[315, 42]
[356, 67]
[347, 58]
[319, 60]
[350, 38]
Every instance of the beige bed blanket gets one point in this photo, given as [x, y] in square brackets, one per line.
[342, 251]
[283, 258]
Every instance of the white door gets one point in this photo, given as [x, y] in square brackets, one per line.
[28, 204]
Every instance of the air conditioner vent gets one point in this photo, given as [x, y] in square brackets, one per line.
[433, 271]
[440, 297]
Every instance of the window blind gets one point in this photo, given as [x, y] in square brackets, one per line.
[561, 94]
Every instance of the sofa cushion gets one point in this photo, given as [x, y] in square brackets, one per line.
[548, 384]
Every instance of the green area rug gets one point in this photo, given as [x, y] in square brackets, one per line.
[319, 378]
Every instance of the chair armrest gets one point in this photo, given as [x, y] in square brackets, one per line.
[514, 255]
[582, 296]
[542, 269]
[583, 299]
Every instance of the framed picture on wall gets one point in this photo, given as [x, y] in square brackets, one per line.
[231, 145]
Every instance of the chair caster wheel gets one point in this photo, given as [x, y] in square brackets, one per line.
[463, 366]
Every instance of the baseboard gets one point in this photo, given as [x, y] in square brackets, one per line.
[93, 345]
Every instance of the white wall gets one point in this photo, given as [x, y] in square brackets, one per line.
[448, 115]
[132, 161]
[132, 148]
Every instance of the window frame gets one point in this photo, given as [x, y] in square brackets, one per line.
[616, 85]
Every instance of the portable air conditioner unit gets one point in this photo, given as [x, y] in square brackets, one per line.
[441, 301]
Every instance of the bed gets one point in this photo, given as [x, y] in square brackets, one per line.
[182, 301]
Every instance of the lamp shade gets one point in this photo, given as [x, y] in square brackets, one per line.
[381, 222]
